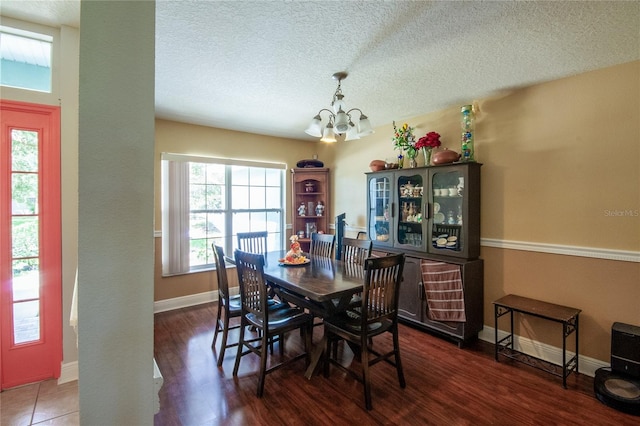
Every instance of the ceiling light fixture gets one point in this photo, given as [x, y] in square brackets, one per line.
[339, 121]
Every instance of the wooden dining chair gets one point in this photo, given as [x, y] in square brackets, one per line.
[230, 306]
[252, 242]
[322, 245]
[227, 304]
[378, 314]
[356, 251]
[269, 323]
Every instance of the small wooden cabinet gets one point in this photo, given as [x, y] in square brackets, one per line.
[309, 203]
[431, 213]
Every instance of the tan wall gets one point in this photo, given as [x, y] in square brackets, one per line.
[559, 158]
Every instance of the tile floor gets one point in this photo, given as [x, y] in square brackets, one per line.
[44, 403]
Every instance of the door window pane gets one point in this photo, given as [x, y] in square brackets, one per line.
[24, 233]
[24, 193]
[24, 151]
[26, 279]
[26, 321]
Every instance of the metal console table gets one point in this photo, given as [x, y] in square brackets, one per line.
[567, 316]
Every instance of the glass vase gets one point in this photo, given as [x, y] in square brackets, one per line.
[426, 152]
[467, 121]
[413, 163]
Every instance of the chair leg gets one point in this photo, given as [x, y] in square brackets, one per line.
[326, 354]
[364, 360]
[240, 348]
[215, 333]
[280, 344]
[225, 335]
[307, 343]
[396, 348]
[263, 364]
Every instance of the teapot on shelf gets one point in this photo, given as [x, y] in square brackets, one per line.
[406, 190]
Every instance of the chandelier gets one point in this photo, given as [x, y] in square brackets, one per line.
[340, 121]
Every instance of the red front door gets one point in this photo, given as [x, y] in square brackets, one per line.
[30, 244]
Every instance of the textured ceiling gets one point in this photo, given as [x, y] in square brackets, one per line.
[265, 66]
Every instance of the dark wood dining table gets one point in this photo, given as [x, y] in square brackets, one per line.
[324, 286]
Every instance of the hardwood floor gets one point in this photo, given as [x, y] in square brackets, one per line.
[445, 385]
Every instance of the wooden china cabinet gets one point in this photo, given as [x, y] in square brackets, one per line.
[309, 203]
[432, 214]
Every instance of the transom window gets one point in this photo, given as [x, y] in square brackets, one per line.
[25, 59]
[208, 201]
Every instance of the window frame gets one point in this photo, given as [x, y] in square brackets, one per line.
[228, 240]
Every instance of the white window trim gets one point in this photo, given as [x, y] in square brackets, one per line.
[175, 249]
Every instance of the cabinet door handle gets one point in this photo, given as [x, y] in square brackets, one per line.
[393, 209]
[428, 210]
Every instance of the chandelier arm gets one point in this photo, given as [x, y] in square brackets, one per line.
[333, 116]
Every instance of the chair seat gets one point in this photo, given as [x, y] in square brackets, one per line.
[235, 305]
[350, 322]
[276, 304]
[282, 320]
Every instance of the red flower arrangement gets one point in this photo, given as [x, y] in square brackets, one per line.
[430, 140]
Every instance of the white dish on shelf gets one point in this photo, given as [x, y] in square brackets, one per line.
[438, 218]
[436, 208]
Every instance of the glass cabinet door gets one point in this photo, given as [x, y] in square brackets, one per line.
[380, 205]
[410, 190]
[448, 195]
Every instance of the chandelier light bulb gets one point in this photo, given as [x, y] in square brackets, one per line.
[328, 135]
[315, 127]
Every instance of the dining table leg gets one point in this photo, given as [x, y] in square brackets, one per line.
[316, 356]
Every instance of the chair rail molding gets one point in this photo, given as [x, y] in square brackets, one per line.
[593, 252]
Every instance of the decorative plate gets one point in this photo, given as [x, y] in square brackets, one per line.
[294, 264]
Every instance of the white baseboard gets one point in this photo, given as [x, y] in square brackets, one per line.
[184, 301]
[68, 372]
[552, 354]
